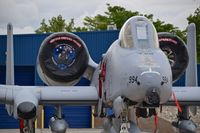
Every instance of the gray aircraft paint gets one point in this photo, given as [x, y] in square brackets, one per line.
[191, 72]
[10, 64]
[141, 62]
[146, 62]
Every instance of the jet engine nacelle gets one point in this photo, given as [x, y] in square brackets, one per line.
[62, 59]
[176, 52]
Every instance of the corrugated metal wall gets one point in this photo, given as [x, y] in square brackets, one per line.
[24, 75]
[26, 48]
[76, 116]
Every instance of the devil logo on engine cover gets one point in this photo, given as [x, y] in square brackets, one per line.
[63, 56]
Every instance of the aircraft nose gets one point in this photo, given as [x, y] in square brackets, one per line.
[151, 85]
[152, 79]
[153, 97]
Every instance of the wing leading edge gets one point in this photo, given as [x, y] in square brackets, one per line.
[70, 95]
[186, 96]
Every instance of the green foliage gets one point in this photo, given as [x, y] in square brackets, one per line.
[44, 28]
[195, 18]
[161, 26]
[99, 22]
[58, 24]
[115, 15]
[70, 26]
[118, 15]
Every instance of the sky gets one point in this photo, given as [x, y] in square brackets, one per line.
[26, 15]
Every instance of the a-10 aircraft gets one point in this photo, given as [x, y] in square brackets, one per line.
[136, 72]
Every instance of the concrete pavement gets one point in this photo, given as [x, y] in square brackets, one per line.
[48, 131]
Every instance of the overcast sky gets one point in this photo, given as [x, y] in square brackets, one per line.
[26, 15]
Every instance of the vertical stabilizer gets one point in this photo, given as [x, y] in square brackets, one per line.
[10, 63]
[191, 71]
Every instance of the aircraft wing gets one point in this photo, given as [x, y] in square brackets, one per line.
[80, 95]
[185, 96]
[25, 99]
[50, 94]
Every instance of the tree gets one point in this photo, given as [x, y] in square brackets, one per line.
[195, 18]
[44, 28]
[56, 24]
[114, 15]
[118, 15]
[161, 26]
[70, 26]
[99, 22]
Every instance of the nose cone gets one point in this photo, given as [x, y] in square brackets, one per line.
[157, 87]
[151, 82]
[26, 110]
[152, 97]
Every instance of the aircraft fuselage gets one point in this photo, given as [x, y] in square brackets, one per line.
[134, 74]
[140, 73]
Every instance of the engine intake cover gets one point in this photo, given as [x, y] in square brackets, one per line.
[63, 57]
[176, 52]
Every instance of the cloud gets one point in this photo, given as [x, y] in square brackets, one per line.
[19, 30]
[26, 15]
[26, 29]
[20, 13]
[29, 13]
[170, 11]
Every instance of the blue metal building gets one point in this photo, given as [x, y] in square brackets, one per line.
[25, 50]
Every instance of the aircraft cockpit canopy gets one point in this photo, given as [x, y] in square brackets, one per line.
[138, 32]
